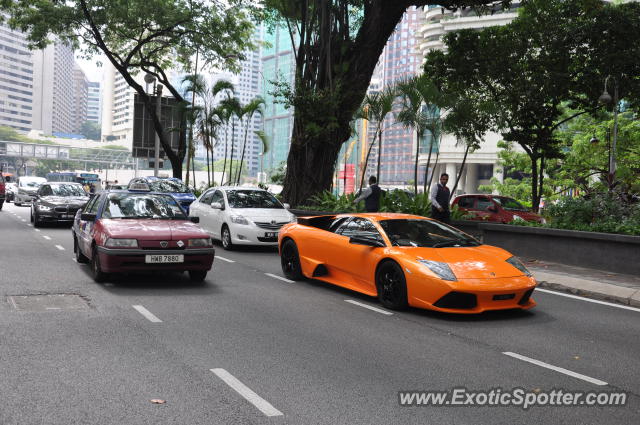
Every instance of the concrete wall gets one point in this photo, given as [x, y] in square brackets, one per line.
[602, 251]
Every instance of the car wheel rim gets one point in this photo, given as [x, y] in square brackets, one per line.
[288, 260]
[226, 238]
[389, 284]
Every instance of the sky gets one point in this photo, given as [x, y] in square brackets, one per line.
[91, 70]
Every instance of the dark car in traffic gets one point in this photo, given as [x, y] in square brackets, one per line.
[57, 202]
[495, 208]
[137, 230]
[2, 190]
[170, 185]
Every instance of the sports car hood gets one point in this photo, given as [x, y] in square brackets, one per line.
[153, 230]
[263, 214]
[479, 262]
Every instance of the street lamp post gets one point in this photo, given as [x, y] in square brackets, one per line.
[605, 98]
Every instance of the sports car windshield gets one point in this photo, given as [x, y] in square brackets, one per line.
[509, 204]
[252, 199]
[67, 190]
[424, 233]
[142, 205]
[168, 186]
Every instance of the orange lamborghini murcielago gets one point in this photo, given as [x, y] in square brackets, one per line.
[405, 260]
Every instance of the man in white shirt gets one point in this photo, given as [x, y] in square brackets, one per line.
[440, 198]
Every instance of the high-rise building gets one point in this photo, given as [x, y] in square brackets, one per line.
[117, 108]
[481, 165]
[80, 99]
[277, 65]
[401, 60]
[94, 103]
[53, 89]
[16, 80]
[248, 86]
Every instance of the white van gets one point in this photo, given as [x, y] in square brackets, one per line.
[27, 188]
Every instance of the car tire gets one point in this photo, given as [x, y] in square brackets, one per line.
[197, 275]
[392, 286]
[17, 204]
[225, 237]
[96, 270]
[80, 257]
[36, 220]
[290, 261]
[1, 204]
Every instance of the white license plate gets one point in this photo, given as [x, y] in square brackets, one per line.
[271, 235]
[164, 258]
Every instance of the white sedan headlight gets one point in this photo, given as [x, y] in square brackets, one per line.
[121, 243]
[293, 218]
[202, 242]
[238, 219]
[44, 208]
[441, 269]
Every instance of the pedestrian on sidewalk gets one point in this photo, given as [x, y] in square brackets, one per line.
[440, 198]
[371, 196]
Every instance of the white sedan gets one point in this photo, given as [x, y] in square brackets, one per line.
[241, 216]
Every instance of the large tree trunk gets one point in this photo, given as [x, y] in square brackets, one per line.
[535, 199]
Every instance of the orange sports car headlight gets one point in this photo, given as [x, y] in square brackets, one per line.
[443, 270]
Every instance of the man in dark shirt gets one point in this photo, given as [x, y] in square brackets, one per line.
[371, 196]
[440, 198]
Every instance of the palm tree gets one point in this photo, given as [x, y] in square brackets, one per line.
[223, 113]
[376, 106]
[197, 86]
[422, 107]
[255, 105]
[233, 109]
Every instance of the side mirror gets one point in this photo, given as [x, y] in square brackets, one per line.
[216, 205]
[88, 217]
[286, 206]
[195, 219]
[362, 240]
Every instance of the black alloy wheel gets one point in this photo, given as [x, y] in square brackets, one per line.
[197, 275]
[392, 286]
[290, 261]
[98, 275]
[226, 238]
[80, 257]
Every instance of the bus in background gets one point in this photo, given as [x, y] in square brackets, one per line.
[73, 177]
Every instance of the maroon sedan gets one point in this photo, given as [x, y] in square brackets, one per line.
[125, 231]
[495, 208]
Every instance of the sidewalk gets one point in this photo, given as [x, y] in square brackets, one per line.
[620, 288]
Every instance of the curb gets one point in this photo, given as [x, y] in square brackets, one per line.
[631, 297]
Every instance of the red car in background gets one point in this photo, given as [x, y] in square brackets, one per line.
[495, 208]
[138, 230]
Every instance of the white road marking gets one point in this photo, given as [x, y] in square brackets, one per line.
[284, 279]
[74, 259]
[46, 237]
[30, 225]
[37, 230]
[53, 308]
[23, 219]
[626, 307]
[378, 310]
[556, 368]
[146, 313]
[60, 247]
[224, 259]
[261, 404]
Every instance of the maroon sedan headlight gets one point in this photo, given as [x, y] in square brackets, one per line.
[200, 242]
[121, 243]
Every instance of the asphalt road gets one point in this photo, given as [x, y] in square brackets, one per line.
[300, 353]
